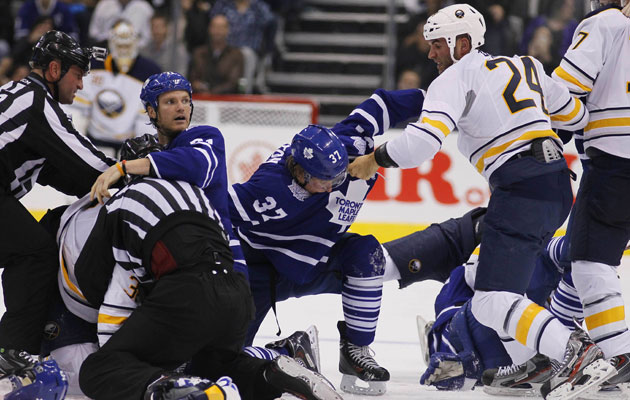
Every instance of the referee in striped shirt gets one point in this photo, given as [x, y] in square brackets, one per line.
[38, 144]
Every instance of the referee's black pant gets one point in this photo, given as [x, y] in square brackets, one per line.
[28, 256]
[190, 314]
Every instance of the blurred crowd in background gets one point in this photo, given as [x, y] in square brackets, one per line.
[223, 46]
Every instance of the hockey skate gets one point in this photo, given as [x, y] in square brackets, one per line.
[14, 362]
[617, 387]
[303, 346]
[357, 362]
[288, 375]
[185, 387]
[581, 372]
[522, 380]
[424, 328]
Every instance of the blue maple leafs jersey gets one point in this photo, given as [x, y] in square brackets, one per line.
[197, 156]
[295, 229]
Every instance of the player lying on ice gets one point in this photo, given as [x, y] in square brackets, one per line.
[460, 353]
[154, 269]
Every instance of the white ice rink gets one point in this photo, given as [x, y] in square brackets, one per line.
[397, 347]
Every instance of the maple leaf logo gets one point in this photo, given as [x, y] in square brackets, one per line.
[308, 153]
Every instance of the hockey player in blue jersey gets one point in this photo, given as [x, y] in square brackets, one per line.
[458, 349]
[195, 155]
[292, 217]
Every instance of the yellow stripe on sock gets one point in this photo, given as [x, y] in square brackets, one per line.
[525, 322]
[214, 393]
[610, 316]
[111, 319]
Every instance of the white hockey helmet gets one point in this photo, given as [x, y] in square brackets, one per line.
[123, 44]
[455, 20]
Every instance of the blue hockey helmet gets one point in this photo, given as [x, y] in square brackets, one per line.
[50, 383]
[321, 153]
[161, 83]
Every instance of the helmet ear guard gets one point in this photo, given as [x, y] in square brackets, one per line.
[453, 21]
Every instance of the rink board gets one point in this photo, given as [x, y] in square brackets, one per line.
[400, 203]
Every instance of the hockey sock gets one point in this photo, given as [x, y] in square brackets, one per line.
[361, 299]
[264, 353]
[599, 288]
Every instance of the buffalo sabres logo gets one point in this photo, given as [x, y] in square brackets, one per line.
[308, 153]
[414, 265]
[459, 13]
[110, 102]
[51, 330]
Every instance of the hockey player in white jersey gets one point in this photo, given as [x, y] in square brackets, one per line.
[597, 66]
[504, 109]
[108, 108]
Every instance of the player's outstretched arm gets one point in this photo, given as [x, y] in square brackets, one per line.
[114, 173]
[363, 167]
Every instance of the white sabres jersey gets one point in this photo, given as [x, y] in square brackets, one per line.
[497, 104]
[110, 101]
[75, 227]
[597, 65]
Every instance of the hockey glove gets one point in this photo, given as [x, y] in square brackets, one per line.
[447, 371]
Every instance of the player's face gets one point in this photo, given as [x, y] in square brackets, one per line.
[440, 54]
[69, 84]
[173, 112]
[316, 185]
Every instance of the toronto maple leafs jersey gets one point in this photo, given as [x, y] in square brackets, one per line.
[497, 104]
[272, 213]
[103, 249]
[597, 65]
[110, 100]
[197, 156]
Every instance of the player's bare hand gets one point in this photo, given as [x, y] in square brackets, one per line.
[103, 182]
[363, 167]
[626, 10]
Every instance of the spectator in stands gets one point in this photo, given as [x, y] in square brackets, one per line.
[6, 29]
[217, 67]
[252, 29]
[59, 11]
[540, 46]
[413, 53]
[251, 23]
[16, 64]
[163, 48]
[559, 19]
[501, 32]
[107, 12]
[408, 79]
[82, 11]
[108, 108]
[197, 19]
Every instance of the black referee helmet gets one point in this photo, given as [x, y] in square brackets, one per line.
[56, 45]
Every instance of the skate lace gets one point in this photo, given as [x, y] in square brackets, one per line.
[362, 355]
[507, 370]
[28, 357]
